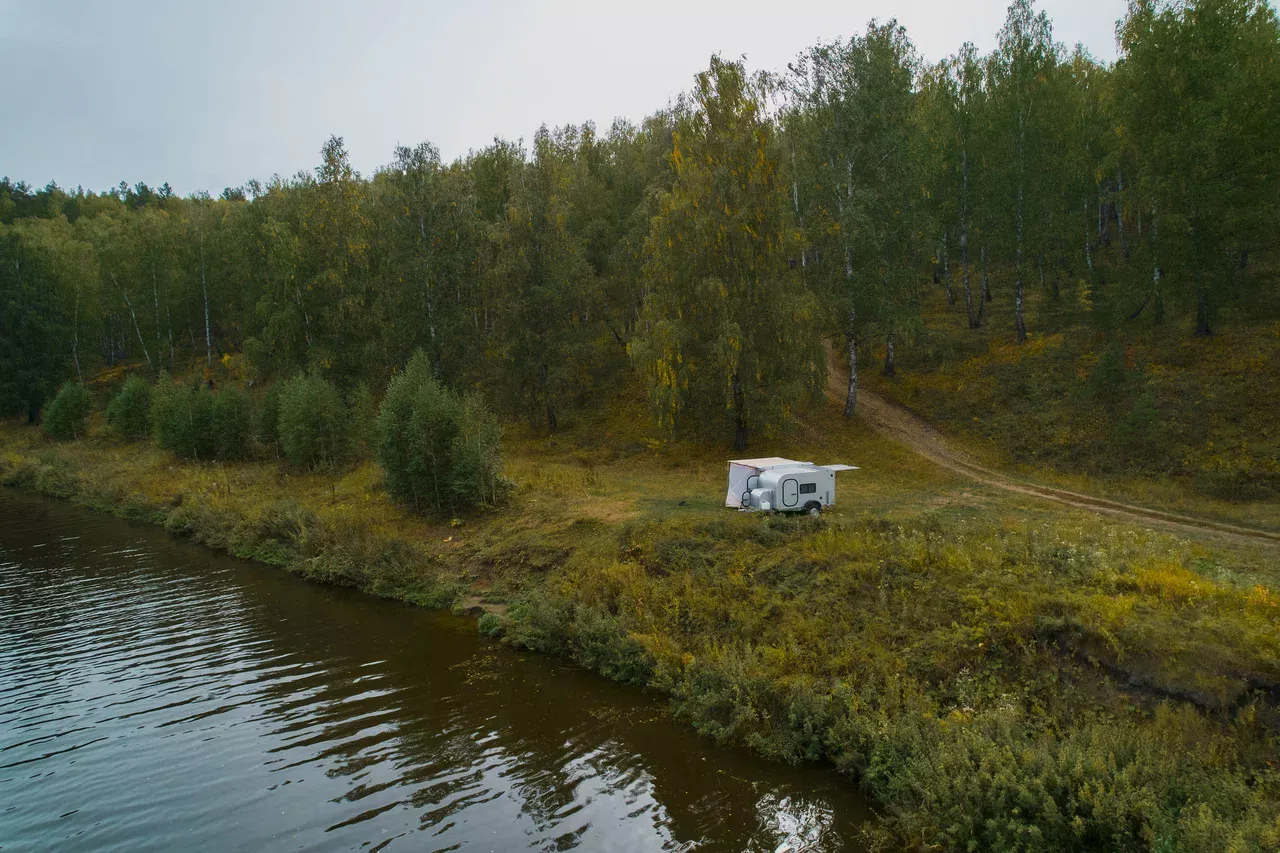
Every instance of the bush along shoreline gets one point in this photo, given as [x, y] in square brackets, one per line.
[992, 689]
[283, 534]
[429, 440]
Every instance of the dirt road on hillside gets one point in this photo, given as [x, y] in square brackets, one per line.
[906, 428]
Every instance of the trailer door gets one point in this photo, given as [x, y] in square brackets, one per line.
[790, 492]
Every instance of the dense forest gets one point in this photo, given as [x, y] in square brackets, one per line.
[712, 251]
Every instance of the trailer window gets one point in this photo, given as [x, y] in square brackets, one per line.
[808, 488]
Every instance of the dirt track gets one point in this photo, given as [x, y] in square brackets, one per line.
[900, 425]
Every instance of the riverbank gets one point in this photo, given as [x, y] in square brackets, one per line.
[246, 707]
[996, 672]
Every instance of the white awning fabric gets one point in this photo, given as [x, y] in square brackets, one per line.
[765, 462]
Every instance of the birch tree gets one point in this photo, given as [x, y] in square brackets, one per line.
[1021, 70]
[428, 230]
[333, 264]
[728, 336]
[546, 285]
[861, 153]
[1199, 100]
[35, 323]
[952, 107]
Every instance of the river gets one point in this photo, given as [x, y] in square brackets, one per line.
[157, 696]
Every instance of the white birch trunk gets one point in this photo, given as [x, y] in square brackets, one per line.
[851, 402]
[142, 343]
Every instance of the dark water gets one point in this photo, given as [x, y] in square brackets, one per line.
[154, 696]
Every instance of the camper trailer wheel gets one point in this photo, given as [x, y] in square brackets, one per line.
[813, 508]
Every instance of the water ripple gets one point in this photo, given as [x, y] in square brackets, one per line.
[155, 697]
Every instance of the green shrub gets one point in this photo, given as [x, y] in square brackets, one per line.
[67, 415]
[438, 451]
[489, 625]
[164, 399]
[129, 412]
[269, 419]
[1108, 384]
[476, 453]
[1138, 433]
[313, 423]
[182, 419]
[363, 412]
[232, 423]
[274, 533]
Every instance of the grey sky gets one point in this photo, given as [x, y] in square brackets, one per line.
[206, 95]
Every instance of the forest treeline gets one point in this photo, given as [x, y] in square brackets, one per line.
[714, 248]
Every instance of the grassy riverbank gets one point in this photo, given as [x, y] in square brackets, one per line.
[999, 674]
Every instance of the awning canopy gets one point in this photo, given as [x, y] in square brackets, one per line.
[765, 462]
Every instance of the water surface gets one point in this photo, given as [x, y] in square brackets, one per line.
[155, 696]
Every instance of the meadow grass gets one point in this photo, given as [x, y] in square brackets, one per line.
[998, 672]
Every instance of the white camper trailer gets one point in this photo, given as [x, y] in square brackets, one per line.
[774, 484]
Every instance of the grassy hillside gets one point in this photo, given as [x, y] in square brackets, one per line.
[1143, 412]
[999, 674]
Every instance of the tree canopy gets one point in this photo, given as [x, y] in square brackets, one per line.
[710, 252]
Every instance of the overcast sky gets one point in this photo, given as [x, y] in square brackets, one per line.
[207, 95]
